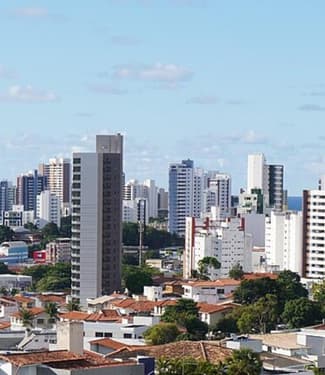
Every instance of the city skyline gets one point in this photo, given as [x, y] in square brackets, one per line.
[205, 80]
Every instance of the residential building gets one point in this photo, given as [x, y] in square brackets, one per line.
[268, 179]
[58, 173]
[28, 187]
[313, 234]
[13, 252]
[181, 179]
[283, 241]
[225, 240]
[58, 251]
[48, 208]
[17, 217]
[135, 210]
[7, 195]
[162, 202]
[97, 219]
[218, 194]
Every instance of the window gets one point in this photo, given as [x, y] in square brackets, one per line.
[127, 335]
[108, 334]
[99, 334]
[40, 321]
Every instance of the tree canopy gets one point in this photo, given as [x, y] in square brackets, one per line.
[236, 272]
[301, 312]
[135, 278]
[6, 233]
[161, 333]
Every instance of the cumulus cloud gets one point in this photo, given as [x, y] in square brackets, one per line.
[311, 107]
[205, 99]
[32, 12]
[106, 89]
[27, 94]
[158, 72]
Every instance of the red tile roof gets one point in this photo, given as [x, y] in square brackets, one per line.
[200, 350]
[23, 299]
[60, 359]
[74, 315]
[34, 311]
[112, 344]
[208, 308]
[215, 283]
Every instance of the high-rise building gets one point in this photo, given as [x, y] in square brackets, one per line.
[97, 219]
[28, 187]
[283, 241]
[58, 173]
[225, 240]
[313, 233]
[48, 208]
[181, 177]
[268, 179]
[7, 195]
[218, 194]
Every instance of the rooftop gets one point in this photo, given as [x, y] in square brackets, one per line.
[284, 340]
[61, 359]
[200, 350]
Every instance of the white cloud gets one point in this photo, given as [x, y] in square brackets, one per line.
[157, 72]
[27, 94]
[32, 12]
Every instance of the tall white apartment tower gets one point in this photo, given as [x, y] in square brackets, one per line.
[283, 241]
[256, 172]
[218, 194]
[314, 233]
[48, 207]
[97, 219]
[58, 173]
[180, 204]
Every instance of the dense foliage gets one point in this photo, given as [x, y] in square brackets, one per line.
[152, 238]
[267, 302]
[161, 333]
[135, 278]
[185, 314]
[6, 233]
[50, 277]
[242, 362]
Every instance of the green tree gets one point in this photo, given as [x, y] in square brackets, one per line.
[6, 233]
[206, 264]
[161, 333]
[261, 316]
[289, 287]
[183, 308]
[301, 312]
[51, 309]
[185, 313]
[50, 230]
[226, 325]
[26, 317]
[318, 292]
[251, 291]
[188, 366]
[236, 272]
[135, 278]
[243, 362]
[31, 227]
[73, 305]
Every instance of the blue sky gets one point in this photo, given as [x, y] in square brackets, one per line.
[212, 80]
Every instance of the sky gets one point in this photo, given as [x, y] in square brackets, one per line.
[210, 80]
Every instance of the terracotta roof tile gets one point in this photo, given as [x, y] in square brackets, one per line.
[74, 315]
[34, 311]
[60, 359]
[199, 350]
[112, 344]
[23, 299]
[104, 315]
[209, 308]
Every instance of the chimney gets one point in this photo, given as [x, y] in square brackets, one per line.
[70, 336]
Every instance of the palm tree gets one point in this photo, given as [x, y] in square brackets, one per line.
[27, 317]
[244, 362]
[73, 305]
[51, 309]
[206, 263]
